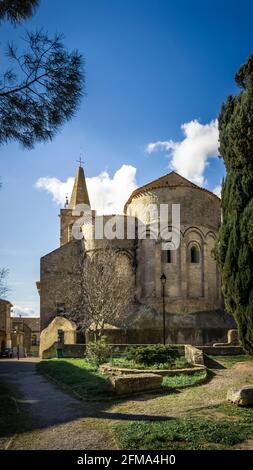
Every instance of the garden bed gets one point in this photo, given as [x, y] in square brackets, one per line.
[114, 370]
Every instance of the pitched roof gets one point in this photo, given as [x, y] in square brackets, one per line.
[32, 322]
[6, 302]
[171, 180]
[79, 194]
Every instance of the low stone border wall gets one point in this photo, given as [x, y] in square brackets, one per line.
[222, 350]
[113, 370]
[193, 355]
[64, 350]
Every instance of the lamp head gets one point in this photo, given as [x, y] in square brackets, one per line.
[163, 279]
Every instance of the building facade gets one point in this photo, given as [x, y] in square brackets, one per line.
[21, 336]
[5, 324]
[192, 293]
[33, 323]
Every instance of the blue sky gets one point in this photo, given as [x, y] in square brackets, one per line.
[151, 66]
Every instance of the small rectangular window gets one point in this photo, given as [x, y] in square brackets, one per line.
[166, 256]
[60, 308]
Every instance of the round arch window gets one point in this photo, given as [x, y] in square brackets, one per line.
[195, 254]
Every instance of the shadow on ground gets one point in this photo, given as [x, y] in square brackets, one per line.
[211, 363]
[42, 404]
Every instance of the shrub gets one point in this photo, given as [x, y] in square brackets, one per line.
[152, 354]
[181, 363]
[98, 352]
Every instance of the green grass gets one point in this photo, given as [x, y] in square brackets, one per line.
[84, 379]
[184, 380]
[191, 433]
[225, 426]
[243, 414]
[78, 376]
[230, 361]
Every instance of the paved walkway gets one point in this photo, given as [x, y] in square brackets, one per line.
[55, 419]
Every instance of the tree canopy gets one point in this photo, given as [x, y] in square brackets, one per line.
[234, 250]
[42, 87]
[17, 11]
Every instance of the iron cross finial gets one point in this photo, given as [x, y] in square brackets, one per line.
[80, 161]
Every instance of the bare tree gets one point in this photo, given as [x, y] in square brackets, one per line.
[101, 292]
[3, 286]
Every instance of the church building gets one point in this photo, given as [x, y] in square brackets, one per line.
[194, 310]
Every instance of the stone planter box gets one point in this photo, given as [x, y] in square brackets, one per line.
[132, 383]
[117, 371]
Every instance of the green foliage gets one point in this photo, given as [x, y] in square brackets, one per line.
[181, 362]
[98, 352]
[178, 363]
[152, 354]
[17, 11]
[42, 87]
[191, 433]
[234, 249]
[41, 91]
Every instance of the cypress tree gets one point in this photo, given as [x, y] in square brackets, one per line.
[234, 249]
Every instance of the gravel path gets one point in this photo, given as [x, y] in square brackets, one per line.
[55, 420]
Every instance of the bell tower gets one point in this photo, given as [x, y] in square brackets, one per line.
[79, 196]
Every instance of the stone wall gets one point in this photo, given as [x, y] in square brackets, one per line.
[222, 350]
[57, 276]
[73, 350]
[49, 336]
[144, 326]
[190, 286]
[5, 324]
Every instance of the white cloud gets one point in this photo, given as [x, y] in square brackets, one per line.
[23, 311]
[107, 194]
[58, 189]
[189, 157]
[217, 190]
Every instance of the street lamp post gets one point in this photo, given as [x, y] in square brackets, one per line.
[163, 280]
[15, 331]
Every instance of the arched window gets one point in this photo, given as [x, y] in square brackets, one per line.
[166, 256]
[195, 255]
[34, 340]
